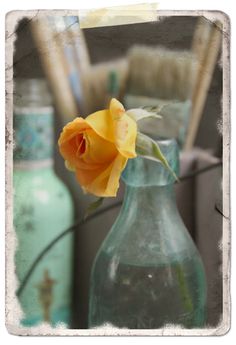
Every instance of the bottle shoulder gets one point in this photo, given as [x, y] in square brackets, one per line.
[147, 240]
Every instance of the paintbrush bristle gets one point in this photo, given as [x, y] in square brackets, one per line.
[97, 80]
[161, 73]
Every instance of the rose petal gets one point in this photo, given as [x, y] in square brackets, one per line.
[71, 139]
[124, 129]
[79, 125]
[114, 178]
[98, 149]
[101, 123]
[104, 181]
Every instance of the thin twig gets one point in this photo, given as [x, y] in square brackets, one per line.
[200, 171]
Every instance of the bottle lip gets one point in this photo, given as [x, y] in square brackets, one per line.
[141, 171]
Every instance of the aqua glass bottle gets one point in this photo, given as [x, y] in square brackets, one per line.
[148, 272]
[42, 209]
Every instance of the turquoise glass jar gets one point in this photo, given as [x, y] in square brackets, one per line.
[43, 208]
[148, 272]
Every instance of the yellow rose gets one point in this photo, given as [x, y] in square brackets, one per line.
[97, 148]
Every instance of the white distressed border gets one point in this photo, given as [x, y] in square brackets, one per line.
[10, 303]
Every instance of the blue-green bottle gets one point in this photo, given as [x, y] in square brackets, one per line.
[42, 209]
[148, 272]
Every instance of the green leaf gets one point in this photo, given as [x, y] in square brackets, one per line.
[92, 207]
[140, 114]
[149, 149]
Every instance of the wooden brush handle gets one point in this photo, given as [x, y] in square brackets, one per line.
[201, 38]
[207, 66]
[54, 66]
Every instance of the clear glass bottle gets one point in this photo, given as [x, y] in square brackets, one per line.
[42, 208]
[148, 272]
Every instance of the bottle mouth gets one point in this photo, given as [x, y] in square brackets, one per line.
[145, 172]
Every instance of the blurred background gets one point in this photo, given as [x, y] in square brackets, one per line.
[172, 64]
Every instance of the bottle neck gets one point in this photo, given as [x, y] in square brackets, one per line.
[149, 185]
[151, 201]
[33, 137]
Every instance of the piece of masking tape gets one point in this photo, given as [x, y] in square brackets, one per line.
[120, 15]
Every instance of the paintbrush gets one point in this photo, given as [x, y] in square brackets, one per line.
[207, 52]
[102, 84]
[77, 42]
[66, 45]
[53, 62]
[161, 73]
[158, 77]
